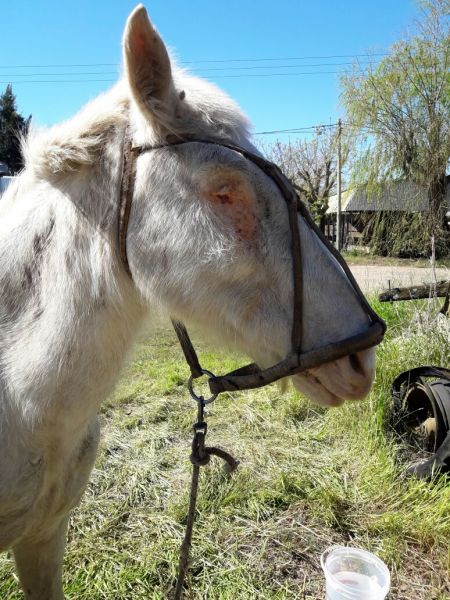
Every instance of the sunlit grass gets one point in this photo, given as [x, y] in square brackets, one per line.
[308, 478]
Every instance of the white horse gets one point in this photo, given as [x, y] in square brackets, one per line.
[208, 240]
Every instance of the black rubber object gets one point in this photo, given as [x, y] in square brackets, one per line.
[416, 399]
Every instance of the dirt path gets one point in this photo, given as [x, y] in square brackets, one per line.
[375, 278]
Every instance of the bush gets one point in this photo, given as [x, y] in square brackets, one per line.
[404, 235]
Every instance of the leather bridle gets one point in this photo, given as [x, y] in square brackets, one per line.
[251, 376]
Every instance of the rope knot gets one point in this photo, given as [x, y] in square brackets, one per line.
[199, 455]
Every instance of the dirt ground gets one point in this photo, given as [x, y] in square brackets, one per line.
[376, 278]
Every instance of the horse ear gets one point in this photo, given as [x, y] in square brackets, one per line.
[147, 65]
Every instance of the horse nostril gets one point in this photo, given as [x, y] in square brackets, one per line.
[355, 363]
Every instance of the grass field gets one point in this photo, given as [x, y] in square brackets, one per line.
[308, 478]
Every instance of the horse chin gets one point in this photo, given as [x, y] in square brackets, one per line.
[316, 391]
[347, 378]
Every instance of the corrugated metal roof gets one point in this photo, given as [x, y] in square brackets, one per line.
[394, 196]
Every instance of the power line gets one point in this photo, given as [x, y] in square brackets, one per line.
[335, 64]
[242, 75]
[58, 74]
[58, 81]
[363, 131]
[286, 58]
[282, 74]
[58, 65]
[304, 129]
[311, 128]
[190, 62]
[200, 71]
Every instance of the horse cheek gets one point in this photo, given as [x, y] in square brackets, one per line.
[237, 205]
[245, 224]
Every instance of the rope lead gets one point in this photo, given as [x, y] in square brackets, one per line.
[200, 456]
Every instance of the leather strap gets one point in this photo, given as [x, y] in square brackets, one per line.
[126, 194]
[188, 349]
[251, 376]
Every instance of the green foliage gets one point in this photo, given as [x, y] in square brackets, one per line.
[402, 106]
[404, 235]
[405, 104]
[13, 126]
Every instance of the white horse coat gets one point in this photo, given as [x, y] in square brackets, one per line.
[208, 241]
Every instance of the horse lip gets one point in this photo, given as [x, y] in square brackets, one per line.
[338, 399]
[316, 389]
[345, 390]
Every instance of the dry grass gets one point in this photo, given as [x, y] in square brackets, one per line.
[308, 478]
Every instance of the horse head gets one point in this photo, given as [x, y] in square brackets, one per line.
[209, 236]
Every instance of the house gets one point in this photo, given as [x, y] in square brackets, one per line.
[359, 202]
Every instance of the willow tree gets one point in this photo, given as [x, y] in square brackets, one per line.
[403, 106]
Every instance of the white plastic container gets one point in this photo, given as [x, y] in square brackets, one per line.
[353, 574]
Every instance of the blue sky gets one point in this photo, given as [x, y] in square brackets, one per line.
[238, 32]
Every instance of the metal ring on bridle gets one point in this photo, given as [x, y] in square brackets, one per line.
[194, 395]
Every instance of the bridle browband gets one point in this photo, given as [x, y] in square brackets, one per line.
[251, 376]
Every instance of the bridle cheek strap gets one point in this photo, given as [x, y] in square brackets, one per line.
[251, 376]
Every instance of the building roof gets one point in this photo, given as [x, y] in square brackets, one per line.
[393, 196]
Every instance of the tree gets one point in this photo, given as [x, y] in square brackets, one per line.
[403, 105]
[311, 166]
[12, 127]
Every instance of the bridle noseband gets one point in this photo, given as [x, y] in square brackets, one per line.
[251, 376]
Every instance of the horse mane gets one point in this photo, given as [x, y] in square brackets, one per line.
[78, 142]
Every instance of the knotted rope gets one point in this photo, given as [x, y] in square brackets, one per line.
[200, 456]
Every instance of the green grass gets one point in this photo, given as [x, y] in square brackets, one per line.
[308, 478]
[356, 257]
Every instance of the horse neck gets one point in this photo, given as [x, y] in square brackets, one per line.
[76, 309]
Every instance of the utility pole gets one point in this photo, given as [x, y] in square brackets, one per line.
[339, 199]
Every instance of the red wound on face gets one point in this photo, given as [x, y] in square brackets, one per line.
[232, 194]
